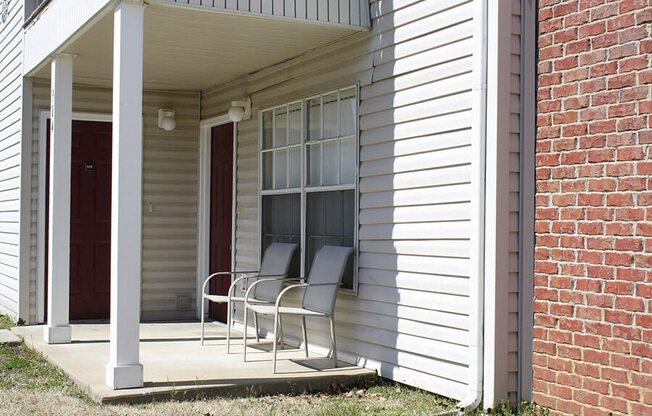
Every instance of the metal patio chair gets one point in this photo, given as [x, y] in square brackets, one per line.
[273, 270]
[318, 299]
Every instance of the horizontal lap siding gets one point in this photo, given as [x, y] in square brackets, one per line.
[170, 207]
[10, 133]
[169, 185]
[345, 12]
[410, 317]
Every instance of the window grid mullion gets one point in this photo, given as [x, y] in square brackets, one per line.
[273, 149]
[303, 181]
[339, 138]
[321, 139]
[287, 140]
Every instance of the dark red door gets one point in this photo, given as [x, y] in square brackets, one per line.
[90, 220]
[221, 213]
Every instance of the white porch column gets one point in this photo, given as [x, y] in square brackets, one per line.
[57, 330]
[124, 369]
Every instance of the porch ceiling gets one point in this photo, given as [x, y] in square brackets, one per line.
[195, 49]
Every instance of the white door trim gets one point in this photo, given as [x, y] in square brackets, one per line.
[204, 200]
[41, 232]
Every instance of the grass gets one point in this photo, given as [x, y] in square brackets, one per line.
[5, 322]
[30, 385]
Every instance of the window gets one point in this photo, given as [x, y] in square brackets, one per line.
[308, 160]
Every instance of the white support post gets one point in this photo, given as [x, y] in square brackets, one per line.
[57, 330]
[124, 369]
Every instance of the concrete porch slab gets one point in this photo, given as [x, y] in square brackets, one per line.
[177, 366]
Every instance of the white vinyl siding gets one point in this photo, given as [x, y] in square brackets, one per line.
[169, 185]
[410, 318]
[170, 207]
[341, 12]
[10, 156]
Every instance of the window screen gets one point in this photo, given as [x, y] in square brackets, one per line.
[330, 219]
[282, 223]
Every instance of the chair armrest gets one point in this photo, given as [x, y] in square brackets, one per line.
[203, 288]
[253, 285]
[258, 276]
[292, 287]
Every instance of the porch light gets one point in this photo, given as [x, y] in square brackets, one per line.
[166, 119]
[240, 110]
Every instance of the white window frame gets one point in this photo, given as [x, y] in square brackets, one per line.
[304, 188]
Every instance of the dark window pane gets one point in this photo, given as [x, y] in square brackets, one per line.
[330, 219]
[268, 170]
[281, 169]
[331, 126]
[347, 112]
[281, 137]
[314, 119]
[295, 167]
[314, 164]
[295, 123]
[268, 130]
[282, 223]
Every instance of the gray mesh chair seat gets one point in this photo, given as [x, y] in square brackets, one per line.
[273, 271]
[318, 298]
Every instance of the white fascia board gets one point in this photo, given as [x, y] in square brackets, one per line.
[60, 23]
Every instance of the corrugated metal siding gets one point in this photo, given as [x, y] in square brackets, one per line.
[514, 180]
[410, 318]
[343, 12]
[10, 133]
[169, 185]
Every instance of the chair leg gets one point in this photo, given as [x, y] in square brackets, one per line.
[229, 317]
[244, 336]
[256, 326]
[202, 320]
[305, 334]
[280, 332]
[332, 320]
[277, 318]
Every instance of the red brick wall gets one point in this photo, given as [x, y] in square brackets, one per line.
[593, 267]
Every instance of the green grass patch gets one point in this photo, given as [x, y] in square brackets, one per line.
[6, 323]
[28, 379]
[377, 397]
[25, 369]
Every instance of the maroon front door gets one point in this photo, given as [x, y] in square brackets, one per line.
[221, 213]
[90, 220]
